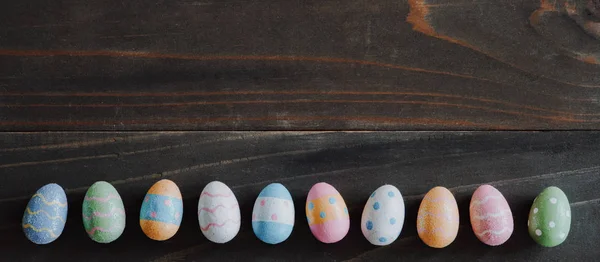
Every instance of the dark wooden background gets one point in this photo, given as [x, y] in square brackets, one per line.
[134, 91]
[299, 65]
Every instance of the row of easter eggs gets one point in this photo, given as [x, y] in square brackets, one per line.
[273, 219]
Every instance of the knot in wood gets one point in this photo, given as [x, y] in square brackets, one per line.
[593, 7]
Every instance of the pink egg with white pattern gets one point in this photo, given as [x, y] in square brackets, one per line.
[491, 217]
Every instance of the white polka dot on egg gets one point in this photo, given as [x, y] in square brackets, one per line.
[538, 232]
[553, 200]
[552, 224]
[535, 210]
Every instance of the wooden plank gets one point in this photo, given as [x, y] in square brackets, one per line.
[308, 65]
[519, 164]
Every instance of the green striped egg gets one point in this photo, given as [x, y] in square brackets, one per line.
[103, 213]
[550, 217]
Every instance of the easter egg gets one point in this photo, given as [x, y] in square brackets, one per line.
[46, 214]
[327, 213]
[437, 219]
[162, 209]
[273, 214]
[490, 216]
[383, 216]
[103, 213]
[550, 217]
[218, 213]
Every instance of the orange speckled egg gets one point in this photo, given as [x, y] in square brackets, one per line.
[437, 221]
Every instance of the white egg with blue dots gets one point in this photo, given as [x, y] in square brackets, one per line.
[383, 216]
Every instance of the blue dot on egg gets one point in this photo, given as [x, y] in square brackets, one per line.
[373, 195]
[392, 221]
[369, 225]
[391, 194]
[311, 206]
[382, 239]
[331, 200]
[376, 206]
[322, 214]
[345, 210]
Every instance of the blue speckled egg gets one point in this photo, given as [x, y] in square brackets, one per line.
[46, 214]
[383, 216]
[273, 214]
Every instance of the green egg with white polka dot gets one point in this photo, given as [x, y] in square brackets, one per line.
[550, 217]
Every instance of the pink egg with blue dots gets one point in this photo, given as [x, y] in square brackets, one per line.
[273, 214]
[327, 213]
[383, 216]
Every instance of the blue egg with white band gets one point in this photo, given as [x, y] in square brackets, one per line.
[273, 214]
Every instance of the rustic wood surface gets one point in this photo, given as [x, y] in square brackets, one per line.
[293, 67]
[519, 164]
[299, 65]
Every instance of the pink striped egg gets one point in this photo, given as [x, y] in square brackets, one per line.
[218, 213]
[490, 215]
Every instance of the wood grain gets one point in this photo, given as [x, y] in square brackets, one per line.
[309, 65]
[519, 164]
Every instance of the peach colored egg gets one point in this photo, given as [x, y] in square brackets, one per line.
[437, 220]
[490, 215]
[327, 213]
